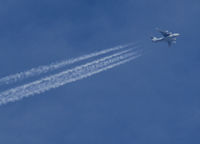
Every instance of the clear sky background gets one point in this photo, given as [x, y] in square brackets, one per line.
[152, 100]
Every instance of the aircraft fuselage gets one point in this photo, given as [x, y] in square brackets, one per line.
[169, 38]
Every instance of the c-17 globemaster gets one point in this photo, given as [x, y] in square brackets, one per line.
[168, 37]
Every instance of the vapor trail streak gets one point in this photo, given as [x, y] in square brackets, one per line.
[47, 68]
[68, 76]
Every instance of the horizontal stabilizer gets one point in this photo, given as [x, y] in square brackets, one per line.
[154, 39]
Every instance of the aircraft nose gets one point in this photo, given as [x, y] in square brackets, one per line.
[177, 34]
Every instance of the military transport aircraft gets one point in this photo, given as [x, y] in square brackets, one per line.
[168, 37]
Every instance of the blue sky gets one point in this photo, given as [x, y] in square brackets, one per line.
[153, 99]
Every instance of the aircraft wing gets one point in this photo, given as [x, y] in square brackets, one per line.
[169, 43]
[164, 33]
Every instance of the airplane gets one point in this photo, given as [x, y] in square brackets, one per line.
[168, 37]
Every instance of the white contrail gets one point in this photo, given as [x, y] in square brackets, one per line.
[71, 75]
[54, 66]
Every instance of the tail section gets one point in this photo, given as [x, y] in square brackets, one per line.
[154, 39]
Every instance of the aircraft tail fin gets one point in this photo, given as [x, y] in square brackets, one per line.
[153, 39]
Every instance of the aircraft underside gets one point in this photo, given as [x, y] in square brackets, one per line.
[168, 37]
